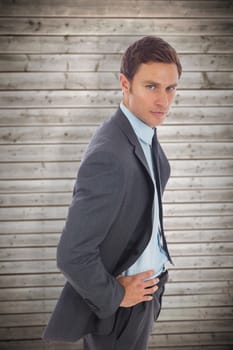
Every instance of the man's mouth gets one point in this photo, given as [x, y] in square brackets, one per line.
[159, 113]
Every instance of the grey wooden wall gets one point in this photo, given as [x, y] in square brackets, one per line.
[59, 63]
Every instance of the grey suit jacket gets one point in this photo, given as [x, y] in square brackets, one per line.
[107, 228]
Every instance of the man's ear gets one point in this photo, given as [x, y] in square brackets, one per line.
[125, 84]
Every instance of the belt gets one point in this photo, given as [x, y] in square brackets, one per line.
[165, 272]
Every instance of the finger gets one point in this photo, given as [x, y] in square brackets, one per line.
[151, 290]
[151, 282]
[146, 274]
[147, 298]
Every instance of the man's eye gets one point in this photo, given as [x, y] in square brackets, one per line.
[171, 88]
[150, 87]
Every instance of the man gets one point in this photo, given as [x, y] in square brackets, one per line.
[113, 251]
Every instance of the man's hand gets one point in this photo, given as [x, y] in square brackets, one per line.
[137, 289]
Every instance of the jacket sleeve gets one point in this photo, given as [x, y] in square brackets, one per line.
[95, 205]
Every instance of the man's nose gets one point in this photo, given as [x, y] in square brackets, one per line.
[162, 99]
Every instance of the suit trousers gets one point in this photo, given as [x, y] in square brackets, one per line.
[133, 325]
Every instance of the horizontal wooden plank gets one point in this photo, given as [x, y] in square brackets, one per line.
[95, 80]
[194, 184]
[181, 249]
[172, 289]
[39, 344]
[188, 262]
[34, 213]
[22, 333]
[17, 333]
[200, 150]
[173, 302]
[212, 235]
[192, 339]
[197, 209]
[40, 226]
[41, 293]
[67, 170]
[198, 223]
[201, 167]
[114, 26]
[51, 239]
[180, 223]
[200, 275]
[13, 267]
[187, 314]
[64, 199]
[30, 240]
[46, 134]
[103, 63]
[221, 290]
[201, 249]
[92, 62]
[19, 153]
[175, 196]
[32, 253]
[218, 276]
[170, 210]
[37, 186]
[108, 44]
[199, 62]
[196, 314]
[192, 327]
[197, 196]
[77, 116]
[30, 306]
[69, 152]
[88, 81]
[48, 266]
[105, 98]
[105, 8]
[52, 280]
[56, 226]
[82, 135]
[91, 116]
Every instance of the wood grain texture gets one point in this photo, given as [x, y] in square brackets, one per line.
[61, 62]
[103, 81]
[82, 134]
[63, 199]
[172, 289]
[113, 26]
[93, 117]
[109, 44]
[59, 71]
[54, 152]
[107, 8]
[106, 98]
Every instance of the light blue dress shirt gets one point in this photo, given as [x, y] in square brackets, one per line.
[153, 257]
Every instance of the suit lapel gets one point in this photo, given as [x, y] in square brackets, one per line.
[127, 129]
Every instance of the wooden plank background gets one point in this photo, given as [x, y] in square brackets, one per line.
[59, 66]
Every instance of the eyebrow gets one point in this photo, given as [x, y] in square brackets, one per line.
[150, 82]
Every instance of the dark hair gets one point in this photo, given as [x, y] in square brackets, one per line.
[148, 49]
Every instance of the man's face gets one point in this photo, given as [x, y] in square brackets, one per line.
[151, 92]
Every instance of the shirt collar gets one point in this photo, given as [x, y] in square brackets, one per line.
[144, 132]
